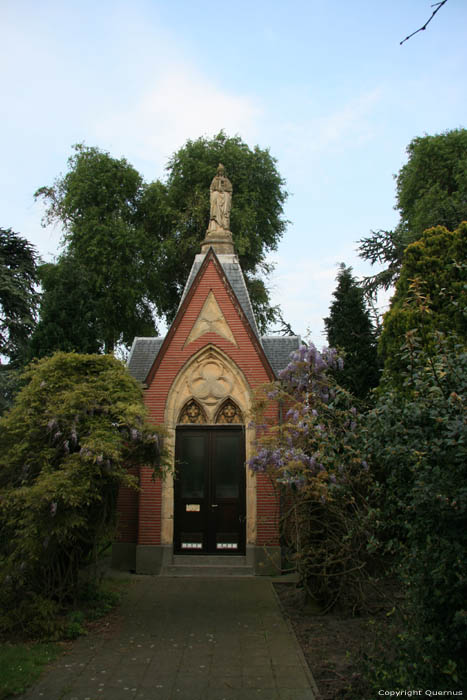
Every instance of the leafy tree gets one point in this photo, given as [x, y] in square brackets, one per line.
[349, 329]
[256, 219]
[416, 440]
[97, 204]
[10, 383]
[314, 458]
[18, 295]
[431, 191]
[75, 429]
[67, 312]
[431, 293]
[137, 241]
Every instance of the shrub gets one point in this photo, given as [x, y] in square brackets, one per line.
[314, 457]
[417, 437]
[75, 428]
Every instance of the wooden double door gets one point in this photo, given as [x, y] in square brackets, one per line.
[209, 513]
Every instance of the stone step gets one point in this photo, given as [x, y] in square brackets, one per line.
[208, 571]
[208, 565]
[209, 560]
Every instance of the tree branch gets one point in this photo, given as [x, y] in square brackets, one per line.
[438, 6]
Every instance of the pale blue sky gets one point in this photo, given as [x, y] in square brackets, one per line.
[324, 84]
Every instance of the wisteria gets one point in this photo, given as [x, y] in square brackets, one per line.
[313, 457]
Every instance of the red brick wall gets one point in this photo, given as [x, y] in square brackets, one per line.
[171, 360]
[127, 509]
[149, 511]
[267, 507]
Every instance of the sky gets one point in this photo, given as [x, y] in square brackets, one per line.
[323, 84]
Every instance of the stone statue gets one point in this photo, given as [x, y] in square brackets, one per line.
[221, 201]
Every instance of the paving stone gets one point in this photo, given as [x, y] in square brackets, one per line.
[212, 639]
[257, 681]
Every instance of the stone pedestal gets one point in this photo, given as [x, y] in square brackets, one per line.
[221, 242]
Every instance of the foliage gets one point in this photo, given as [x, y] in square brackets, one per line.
[256, 219]
[431, 191]
[350, 330]
[21, 665]
[97, 204]
[75, 429]
[136, 242]
[416, 438]
[10, 383]
[431, 293]
[67, 313]
[18, 296]
[314, 457]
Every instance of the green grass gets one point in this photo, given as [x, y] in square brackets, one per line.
[22, 664]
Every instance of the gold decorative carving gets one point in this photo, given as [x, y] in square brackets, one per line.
[211, 320]
[229, 412]
[192, 413]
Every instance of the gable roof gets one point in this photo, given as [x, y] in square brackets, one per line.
[275, 350]
[145, 350]
[189, 292]
[142, 355]
[278, 349]
[231, 267]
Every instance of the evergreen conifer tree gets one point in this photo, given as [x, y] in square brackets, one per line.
[349, 328]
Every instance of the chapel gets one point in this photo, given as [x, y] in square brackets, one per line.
[211, 513]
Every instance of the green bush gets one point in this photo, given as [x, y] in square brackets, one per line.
[417, 438]
[314, 458]
[75, 428]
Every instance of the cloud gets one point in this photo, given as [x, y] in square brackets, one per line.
[181, 104]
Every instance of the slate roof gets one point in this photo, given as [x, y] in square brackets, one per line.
[278, 349]
[142, 355]
[144, 351]
[234, 274]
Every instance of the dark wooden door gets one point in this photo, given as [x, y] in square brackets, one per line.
[210, 490]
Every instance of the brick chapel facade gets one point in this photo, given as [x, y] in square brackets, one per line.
[199, 382]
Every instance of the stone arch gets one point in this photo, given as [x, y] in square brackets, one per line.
[229, 413]
[211, 378]
[192, 413]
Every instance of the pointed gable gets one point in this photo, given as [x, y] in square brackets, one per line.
[232, 270]
[209, 289]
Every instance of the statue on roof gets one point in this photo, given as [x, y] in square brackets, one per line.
[221, 201]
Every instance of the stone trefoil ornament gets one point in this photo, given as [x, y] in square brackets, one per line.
[218, 235]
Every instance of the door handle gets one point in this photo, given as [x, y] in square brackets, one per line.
[214, 505]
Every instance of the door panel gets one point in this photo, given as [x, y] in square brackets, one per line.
[210, 491]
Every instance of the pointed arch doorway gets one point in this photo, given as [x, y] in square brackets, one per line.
[209, 486]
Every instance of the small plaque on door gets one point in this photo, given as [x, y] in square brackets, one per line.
[192, 507]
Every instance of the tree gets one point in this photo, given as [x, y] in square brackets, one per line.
[431, 191]
[416, 439]
[256, 219]
[67, 313]
[137, 241]
[75, 429]
[18, 295]
[349, 329]
[431, 293]
[97, 204]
